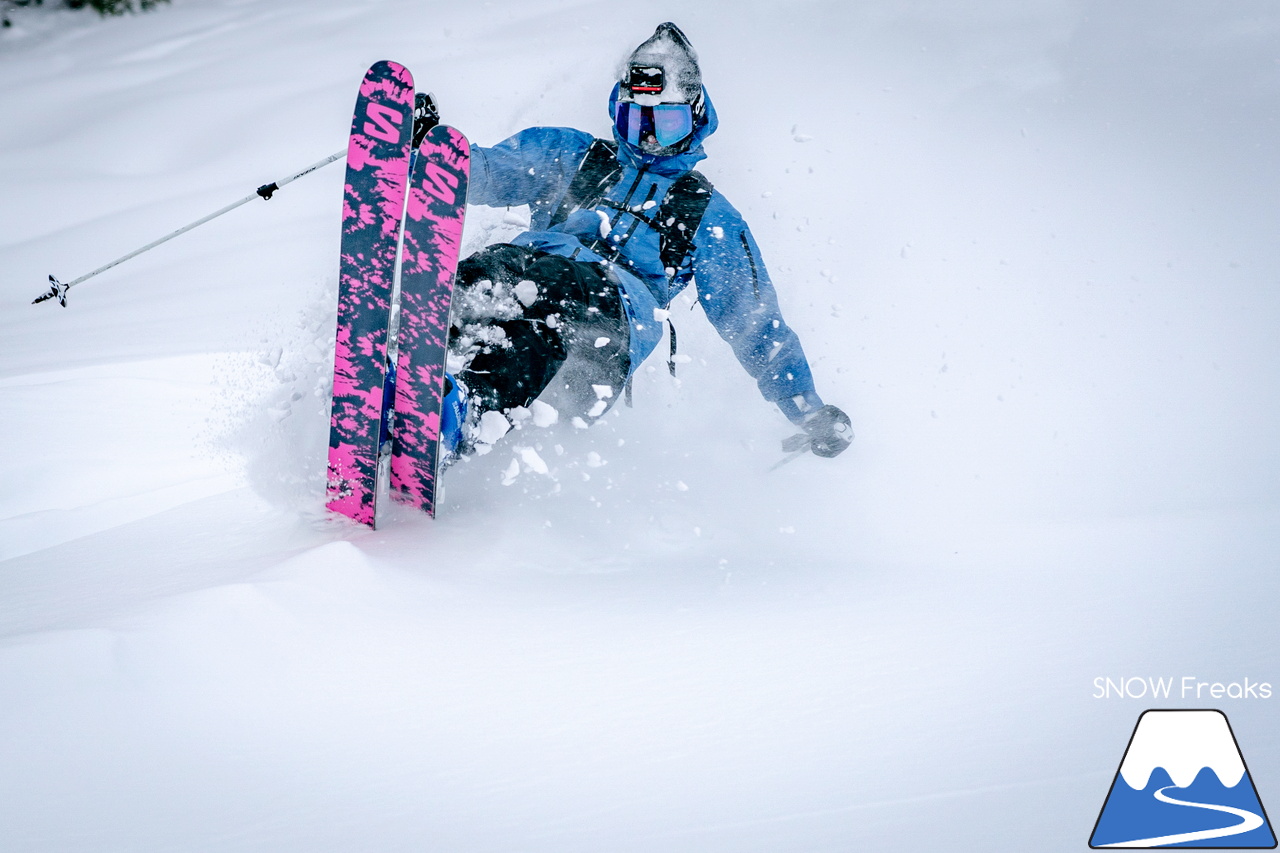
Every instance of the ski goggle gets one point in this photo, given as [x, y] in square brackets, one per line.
[668, 123]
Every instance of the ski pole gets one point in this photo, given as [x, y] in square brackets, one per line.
[790, 457]
[794, 447]
[58, 290]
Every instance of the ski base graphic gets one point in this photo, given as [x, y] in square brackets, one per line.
[437, 207]
[373, 205]
[401, 234]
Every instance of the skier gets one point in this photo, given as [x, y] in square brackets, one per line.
[618, 230]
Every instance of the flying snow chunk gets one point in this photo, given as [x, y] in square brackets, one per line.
[661, 314]
[605, 227]
[530, 457]
[543, 414]
[594, 460]
[601, 342]
[579, 423]
[512, 471]
[597, 410]
[493, 426]
[603, 392]
[526, 292]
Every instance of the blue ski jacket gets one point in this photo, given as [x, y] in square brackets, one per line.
[537, 165]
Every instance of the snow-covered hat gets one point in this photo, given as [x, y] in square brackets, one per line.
[667, 49]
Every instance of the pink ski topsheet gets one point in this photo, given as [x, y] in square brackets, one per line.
[437, 205]
[377, 171]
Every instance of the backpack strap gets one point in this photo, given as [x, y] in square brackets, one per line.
[676, 220]
[597, 173]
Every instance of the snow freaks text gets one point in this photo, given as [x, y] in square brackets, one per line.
[1186, 687]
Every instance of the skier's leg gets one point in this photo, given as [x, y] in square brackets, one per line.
[587, 307]
[506, 348]
[521, 313]
[484, 286]
[513, 370]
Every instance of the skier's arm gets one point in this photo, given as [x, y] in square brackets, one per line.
[533, 167]
[738, 297]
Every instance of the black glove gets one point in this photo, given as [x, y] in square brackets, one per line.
[426, 115]
[827, 432]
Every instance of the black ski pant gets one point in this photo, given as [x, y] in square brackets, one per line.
[574, 330]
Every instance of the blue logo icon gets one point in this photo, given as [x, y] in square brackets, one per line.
[1183, 783]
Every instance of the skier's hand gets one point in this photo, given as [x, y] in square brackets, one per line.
[426, 115]
[827, 432]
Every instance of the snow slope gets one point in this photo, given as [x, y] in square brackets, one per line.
[1030, 248]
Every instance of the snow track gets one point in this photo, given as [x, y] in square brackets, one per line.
[107, 445]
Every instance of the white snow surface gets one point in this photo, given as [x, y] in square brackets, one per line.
[1029, 247]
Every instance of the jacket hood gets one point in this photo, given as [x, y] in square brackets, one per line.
[668, 164]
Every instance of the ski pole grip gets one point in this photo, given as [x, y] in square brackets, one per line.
[57, 290]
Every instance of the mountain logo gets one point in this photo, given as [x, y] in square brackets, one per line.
[1182, 783]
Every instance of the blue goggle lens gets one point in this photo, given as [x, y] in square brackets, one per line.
[668, 123]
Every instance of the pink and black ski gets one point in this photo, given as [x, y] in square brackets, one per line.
[437, 207]
[373, 209]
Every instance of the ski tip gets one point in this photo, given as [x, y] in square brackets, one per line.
[391, 68]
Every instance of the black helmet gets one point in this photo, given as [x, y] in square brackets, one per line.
[659, 77]
[664, 65]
